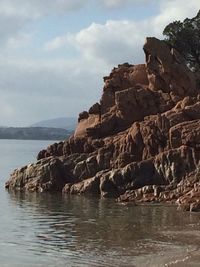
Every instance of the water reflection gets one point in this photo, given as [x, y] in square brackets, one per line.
[91, 232]
[52, 230]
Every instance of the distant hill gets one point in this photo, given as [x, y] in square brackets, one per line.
[34, 133]
[64, 123]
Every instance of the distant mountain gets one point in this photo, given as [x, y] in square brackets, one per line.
[34, 133]
[64, 123]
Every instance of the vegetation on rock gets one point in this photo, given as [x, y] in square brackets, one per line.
[185, 37]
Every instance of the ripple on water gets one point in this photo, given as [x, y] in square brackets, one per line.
[76, 231]
[53, 230]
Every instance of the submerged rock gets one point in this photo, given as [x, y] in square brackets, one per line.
[141, 142]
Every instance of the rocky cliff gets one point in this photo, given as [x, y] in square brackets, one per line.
[141, 142]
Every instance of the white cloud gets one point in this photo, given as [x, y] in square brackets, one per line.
[36, 8]
[172, 10]
[31, 88]
[16, 14]
[56, 43]
[113, 3]
[109, 44]
[113, 42]
[120, 3]
[19, 41]
[9, 28]
[120, 41]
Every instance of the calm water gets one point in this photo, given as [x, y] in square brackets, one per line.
[51, 230]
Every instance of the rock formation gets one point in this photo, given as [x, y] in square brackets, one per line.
[141, 142]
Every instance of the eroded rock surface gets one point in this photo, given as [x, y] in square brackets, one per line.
[141, 142]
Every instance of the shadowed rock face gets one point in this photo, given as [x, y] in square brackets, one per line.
[140, 142]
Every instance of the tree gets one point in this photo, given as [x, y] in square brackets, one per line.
[185, 37]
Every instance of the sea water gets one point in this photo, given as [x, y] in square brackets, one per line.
[57, 230]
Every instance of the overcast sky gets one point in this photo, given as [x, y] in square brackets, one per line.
[53, 54]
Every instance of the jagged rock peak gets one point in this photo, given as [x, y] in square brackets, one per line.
[146, 89]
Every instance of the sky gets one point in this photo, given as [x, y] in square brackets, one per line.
[54, 54]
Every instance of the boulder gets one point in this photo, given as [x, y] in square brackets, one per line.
[166, 69]
[47, 174]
